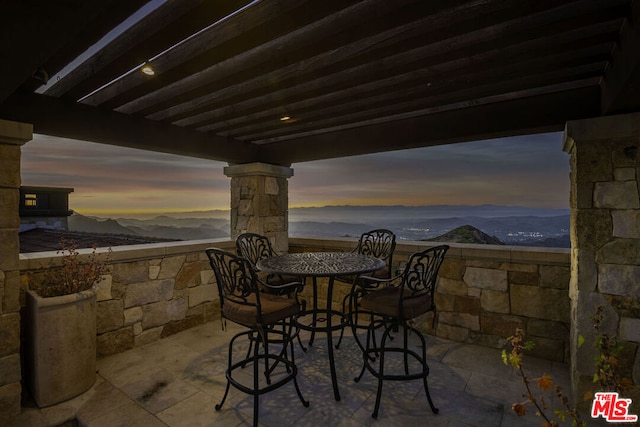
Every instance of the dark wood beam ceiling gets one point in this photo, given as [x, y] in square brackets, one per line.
[48, 35]
[355, 76]
[621, 82]
[58, 117]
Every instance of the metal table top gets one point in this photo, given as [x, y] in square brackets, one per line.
[320, 264]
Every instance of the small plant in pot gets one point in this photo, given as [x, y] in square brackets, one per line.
[72, 275]
[61, 324]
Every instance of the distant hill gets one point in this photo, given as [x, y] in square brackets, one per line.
[467, 234]
[162, 227]
[181, 233]
[86, 224]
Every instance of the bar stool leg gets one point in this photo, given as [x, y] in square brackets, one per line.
[256, 380]
[425, 369]
[228, 373]
[315, 310]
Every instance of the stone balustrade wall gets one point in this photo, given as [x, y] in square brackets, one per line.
[484, 292]
[151, 291]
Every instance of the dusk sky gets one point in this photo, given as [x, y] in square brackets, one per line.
[112, 181]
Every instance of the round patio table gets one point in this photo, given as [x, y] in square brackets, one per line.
[322, 264]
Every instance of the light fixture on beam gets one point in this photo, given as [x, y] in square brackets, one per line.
[285, 118]
[148, 70]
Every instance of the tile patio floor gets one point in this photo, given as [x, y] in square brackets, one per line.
[177, 381]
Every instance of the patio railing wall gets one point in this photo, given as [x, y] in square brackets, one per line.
[484, 292]
[151, 291]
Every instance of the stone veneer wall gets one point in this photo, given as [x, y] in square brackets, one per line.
[12, 136]
[152, 291]
[605, 237]
[260, 201]
[485, 292]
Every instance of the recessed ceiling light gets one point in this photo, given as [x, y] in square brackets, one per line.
[148, 70]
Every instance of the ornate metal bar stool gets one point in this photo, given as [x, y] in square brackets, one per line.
[263, 314]
[379, 243]
[406, 297]
[256, 247]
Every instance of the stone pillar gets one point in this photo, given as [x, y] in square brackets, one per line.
[260, 201]
[605, 241]
[12, 136]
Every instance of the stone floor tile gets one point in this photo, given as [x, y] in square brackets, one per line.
[104, 398]
[158, 391]
[495, 388]
[455, 378]
[128, 415]
[30, 417]
[168, 355]
[195, 411]
[529, 420]
[478, 359]
[468, 409]
[67, 410]
[120, 368]
[204, 337]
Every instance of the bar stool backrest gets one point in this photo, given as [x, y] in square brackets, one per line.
[235, 278]
[379, 243]
[254, 247]
[421, 273]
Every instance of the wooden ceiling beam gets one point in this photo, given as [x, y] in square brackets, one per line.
[544, 113]
[259, 15]
[186, 94]
[169, 24]
[91, 30]
[621, 82]
[57, 117]
[36, 34]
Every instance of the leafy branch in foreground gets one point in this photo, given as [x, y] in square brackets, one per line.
[607, 374]
[545, 383]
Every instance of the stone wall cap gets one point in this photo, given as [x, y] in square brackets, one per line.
[15, 133]
[597, 128]
[266, 169]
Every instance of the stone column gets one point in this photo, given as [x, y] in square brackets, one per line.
[12, 136]
[605, 241]
[260, 201]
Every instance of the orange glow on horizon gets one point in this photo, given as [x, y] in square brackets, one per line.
[111, 212]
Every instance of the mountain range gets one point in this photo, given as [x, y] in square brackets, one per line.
[163, 227]
[511, 225]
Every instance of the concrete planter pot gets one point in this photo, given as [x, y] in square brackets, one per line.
[61, 339]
